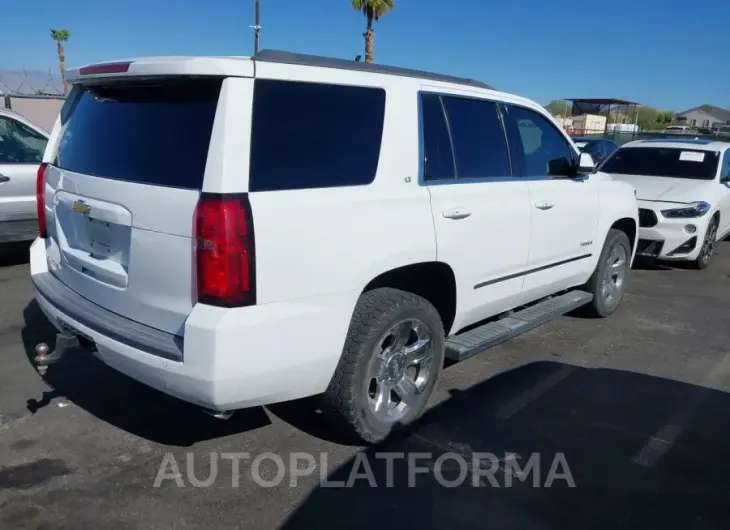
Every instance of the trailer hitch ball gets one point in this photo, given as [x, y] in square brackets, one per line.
[41, 350]
[41, 354]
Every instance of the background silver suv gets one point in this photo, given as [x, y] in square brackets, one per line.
[22, 144]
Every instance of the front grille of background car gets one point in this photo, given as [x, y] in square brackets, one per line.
[647, 218]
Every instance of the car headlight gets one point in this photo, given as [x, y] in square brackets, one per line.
[696, 209]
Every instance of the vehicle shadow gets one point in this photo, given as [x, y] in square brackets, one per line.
[609, 450]
[119, 400]
[12, 254]
[648, 264]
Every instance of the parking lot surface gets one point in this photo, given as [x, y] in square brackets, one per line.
[637, 405]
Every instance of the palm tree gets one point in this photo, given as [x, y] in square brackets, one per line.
[61, 36]
[373, 10]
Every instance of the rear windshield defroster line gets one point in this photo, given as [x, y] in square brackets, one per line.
[154, 133]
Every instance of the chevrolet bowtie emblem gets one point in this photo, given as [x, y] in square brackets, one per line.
[81, 207]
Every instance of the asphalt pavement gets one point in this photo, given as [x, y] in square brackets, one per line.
[601, 424]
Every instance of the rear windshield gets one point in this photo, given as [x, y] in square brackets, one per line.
[151, 133]
[663, 162]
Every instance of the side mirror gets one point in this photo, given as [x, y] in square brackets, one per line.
[586, 164]
[725, 179]
[560, 167]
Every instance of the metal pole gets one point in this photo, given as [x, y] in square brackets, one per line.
[257, 30]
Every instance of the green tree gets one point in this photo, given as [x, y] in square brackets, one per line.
[373, 10]
[666, 117]
[651, 119]
[61, 36]
[559, 107]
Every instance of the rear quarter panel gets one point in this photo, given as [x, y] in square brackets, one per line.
[319, 241]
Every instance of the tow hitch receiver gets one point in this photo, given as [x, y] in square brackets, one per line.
[64, 342]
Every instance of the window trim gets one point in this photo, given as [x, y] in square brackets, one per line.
[422, 147]
[32, 128]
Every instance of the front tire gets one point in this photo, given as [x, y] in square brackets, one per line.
[391, 361]
[708, 246]
[608, 282]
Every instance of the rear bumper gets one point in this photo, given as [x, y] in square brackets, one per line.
[231, 358]
[51, 292]
[18, 230]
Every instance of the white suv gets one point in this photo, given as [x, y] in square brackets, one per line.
[684, 199]
[242, 231]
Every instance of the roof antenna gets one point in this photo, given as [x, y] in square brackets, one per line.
[357, 58]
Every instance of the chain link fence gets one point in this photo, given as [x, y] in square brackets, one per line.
[35, 95]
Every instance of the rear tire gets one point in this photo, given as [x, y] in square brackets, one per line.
[393, 355]
[608, 282]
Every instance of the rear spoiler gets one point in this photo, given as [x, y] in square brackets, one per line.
[164, 66]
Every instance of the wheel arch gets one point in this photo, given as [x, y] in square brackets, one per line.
[627, 225]
[433, 280]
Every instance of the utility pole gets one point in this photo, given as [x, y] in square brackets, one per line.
[257, 29]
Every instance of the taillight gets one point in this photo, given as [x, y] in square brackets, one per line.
[225, 250]
[40, 184]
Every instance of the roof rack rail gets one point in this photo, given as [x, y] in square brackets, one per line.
[278, 56]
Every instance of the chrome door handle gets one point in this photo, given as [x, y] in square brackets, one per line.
[3, 178]
[543, 205]
[456, 213]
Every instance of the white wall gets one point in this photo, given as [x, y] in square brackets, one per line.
[41, 111]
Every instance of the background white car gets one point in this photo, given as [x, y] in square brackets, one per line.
[22, 145]
[683, 187]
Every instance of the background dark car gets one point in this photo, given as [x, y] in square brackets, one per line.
[598, 148]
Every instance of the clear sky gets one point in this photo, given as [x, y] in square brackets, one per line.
[668, 54]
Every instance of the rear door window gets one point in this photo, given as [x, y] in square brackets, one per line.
[151, 133]
[480, 145]
[314, 135]
[438, 156]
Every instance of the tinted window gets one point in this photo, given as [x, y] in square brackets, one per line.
[663, 162]
[726, 166]
[610, 147]
[150, 133]
[310, 135]
[540, 141]
[599, 149]
[19, 144]
[438, 160]
[480, 145]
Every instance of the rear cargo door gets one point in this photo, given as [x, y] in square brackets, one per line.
[121, 194]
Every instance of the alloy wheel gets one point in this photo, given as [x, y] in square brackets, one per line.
[615, 276]
[399, 371]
